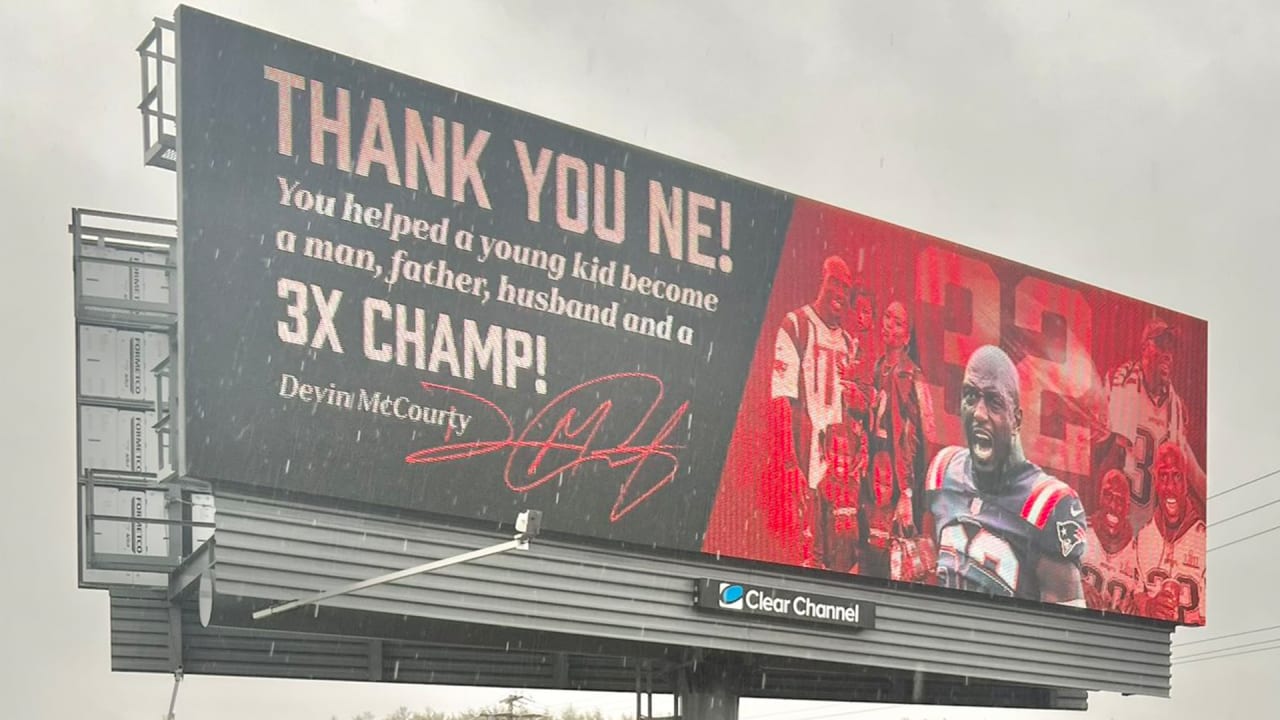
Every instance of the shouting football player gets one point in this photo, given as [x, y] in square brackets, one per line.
[1112, 580]
[817, 457]
[1171, 548]
[1002, 525]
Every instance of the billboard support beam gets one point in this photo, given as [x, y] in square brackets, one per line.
[175, 636]
[175, 653]
[173, 699]
[712, 687]
[188, 573]
[527, 526]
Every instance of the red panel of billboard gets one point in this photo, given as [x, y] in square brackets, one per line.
[924, 412]
[403, 297]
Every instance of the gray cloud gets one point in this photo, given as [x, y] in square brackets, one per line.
[1131, 147]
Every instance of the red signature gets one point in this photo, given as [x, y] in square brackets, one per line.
[563, 427]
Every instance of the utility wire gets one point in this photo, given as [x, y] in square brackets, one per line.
[1229, 635]
[1271, 529]
[1234, 488]
[1243, 513]
[1228, 655]
[1233, 648]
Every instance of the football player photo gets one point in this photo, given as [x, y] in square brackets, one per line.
[1002, 525]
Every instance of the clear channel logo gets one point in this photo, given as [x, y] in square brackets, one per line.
[731, 595]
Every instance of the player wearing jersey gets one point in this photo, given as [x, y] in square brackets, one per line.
[1112, 580]
[1144, 410]
[880, 519]
[1002, 525]
[897, 423]
[818, 458]
[1171, 548]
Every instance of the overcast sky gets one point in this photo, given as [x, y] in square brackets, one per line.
[1133, 148]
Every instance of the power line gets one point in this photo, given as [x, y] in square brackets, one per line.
[1243, 513]
[1273, 528]
[1234, 488]
[1228, 655]
[1229, 635]
[1229, 649]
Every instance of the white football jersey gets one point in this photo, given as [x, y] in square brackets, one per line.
[808, 360]
[1132, 413]
[1181, 559]
[1115, 576]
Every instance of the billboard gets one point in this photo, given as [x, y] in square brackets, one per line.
[398, 295]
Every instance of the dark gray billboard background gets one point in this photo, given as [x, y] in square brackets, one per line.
[310, 331]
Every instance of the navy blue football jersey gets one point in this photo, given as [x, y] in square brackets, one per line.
[992, 542]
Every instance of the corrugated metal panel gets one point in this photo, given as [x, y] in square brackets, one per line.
[140, 632]
[468, 666]
[213, 653]
[280, 552]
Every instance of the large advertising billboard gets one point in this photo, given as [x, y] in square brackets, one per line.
[402, 296]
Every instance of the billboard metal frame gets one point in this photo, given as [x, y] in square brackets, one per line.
[179, 593]
[159, 121]
[274, 399]
[107, 244]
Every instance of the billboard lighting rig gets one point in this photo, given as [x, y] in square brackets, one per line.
[528, 524]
